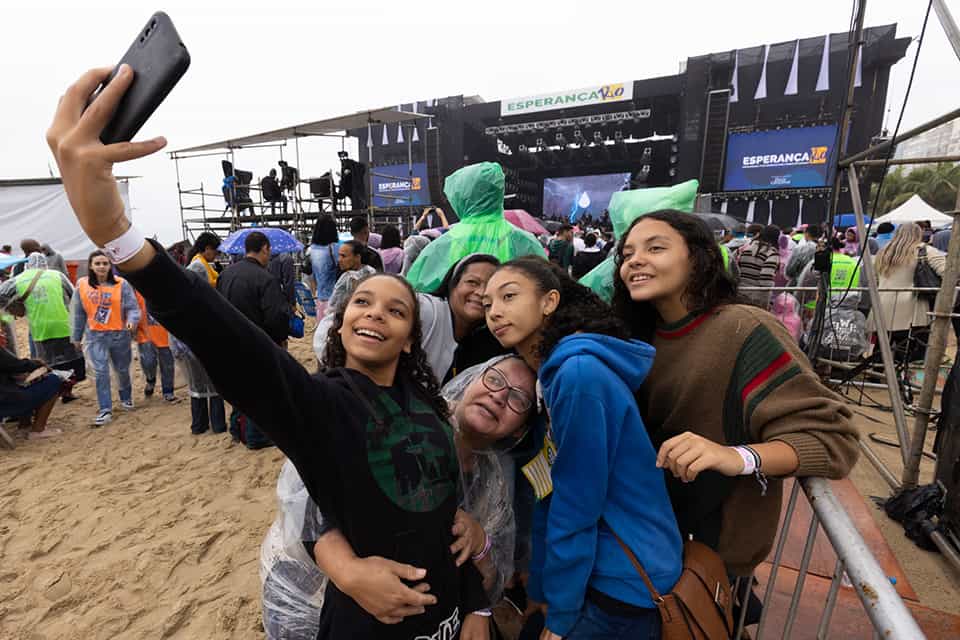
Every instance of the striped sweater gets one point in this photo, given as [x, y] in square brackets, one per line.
[735, 376]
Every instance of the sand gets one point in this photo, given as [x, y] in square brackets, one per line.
[142, 530]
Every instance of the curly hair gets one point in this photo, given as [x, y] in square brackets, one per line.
[412, 366]
[710, 283]
[579, 310]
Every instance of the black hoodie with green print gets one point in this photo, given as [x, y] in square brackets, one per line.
[378, 460]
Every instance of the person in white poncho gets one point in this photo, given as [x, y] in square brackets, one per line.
[492, 404]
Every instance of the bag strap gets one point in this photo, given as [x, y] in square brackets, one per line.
[922, 252]
[26, 294]
[657, 598]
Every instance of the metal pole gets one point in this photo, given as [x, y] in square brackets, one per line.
[881, 602]
[896, 161]
[948, 24]
[824, 627]
[912, 133]
[935, 349]
[801, 576]
[183, 226]
[883, 339]
[881, 468]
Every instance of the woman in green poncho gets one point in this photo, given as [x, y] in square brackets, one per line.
[476, 193]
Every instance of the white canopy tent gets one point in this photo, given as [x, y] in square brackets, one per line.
[39, 209]
[915, 210]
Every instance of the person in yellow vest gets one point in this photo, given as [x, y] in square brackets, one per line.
[206, 406]
[153, 343]
[43, 296]
[105, 315]
[844, 273]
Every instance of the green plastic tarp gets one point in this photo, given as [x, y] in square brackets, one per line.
[627, 206]
[476, 194]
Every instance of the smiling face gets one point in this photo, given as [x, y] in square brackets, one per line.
[100, 265]
[377, 324]
[466, 299]
[488, 414]
[655, 264]
[516, 309]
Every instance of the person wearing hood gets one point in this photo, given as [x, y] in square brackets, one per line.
[43, 295]
[476, 194]
[884, 234]
[596, 477]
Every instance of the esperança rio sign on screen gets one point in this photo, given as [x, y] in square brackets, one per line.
[393, 187]
[780, 159]
[596, 94]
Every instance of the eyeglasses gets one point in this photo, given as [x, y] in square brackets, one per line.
[518, 400]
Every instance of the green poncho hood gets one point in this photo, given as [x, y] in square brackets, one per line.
[476, 194]
[627, 206]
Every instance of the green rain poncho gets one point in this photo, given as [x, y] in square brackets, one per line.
[627, 206]
[476, 193]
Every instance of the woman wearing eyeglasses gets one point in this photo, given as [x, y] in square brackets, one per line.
[596, 479]
[491, 404]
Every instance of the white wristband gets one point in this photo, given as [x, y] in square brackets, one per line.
[749, 461]
[126, 246]
[485, 613]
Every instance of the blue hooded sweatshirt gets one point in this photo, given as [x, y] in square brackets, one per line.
[604, 477]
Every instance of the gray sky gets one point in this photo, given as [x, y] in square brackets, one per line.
[258, 66]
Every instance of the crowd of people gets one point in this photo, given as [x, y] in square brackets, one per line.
[776, 271]
[480, 425]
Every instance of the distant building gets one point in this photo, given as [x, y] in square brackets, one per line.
[941, 141]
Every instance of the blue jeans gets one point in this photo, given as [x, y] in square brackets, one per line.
[595, 623]
[104, 348]
[150, 354]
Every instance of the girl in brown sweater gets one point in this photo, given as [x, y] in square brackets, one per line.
[731, 403]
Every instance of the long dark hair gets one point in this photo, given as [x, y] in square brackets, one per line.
[580, 309]
[204, 240]
[325, 231]
[413, 365]
[455, 273]
[92, 279]
[390, 237]
[710, 283]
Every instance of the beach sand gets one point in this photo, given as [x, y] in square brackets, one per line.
[142, 530]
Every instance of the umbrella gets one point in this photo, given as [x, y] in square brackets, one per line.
[848, 220]
[8, 261]
[280, 241]
[523, 220]
[721, 222]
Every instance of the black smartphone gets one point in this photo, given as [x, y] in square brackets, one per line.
[159, 59]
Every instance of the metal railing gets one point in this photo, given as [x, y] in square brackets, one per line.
[881, 603]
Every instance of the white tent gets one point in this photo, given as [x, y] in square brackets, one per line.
[39, 209]
[915, 210]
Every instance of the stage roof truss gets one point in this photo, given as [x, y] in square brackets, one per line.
[331, 126]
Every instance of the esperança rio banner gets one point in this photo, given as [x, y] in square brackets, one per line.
[780, 159]
[393, 187]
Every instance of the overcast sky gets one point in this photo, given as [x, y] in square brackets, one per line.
[266, 65]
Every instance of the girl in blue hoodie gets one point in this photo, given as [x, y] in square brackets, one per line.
[595, 477]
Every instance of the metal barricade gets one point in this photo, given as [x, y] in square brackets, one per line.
[884, 607]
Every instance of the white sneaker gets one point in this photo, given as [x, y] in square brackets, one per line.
[127, 405]
[104, 417]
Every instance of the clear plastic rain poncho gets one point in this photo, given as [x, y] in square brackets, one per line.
[476, 194]
[627, 206]
[292, 584]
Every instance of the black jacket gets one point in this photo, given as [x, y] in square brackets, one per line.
[585, 261]
[378, 460]
[256, 293]
[371, 257]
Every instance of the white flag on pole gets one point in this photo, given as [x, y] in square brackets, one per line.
[823, 78]
[750, 207]
[761, 92]
[734, 91]
[386, 139]
[793, 80]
